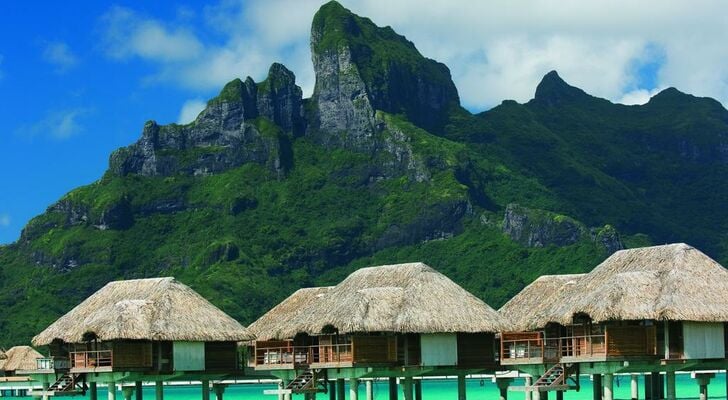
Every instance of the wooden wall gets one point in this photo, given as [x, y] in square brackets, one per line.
[221, 356]
[132, 354]
[374, 349]
[475, 350]
[631, 341]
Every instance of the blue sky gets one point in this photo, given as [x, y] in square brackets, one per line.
[79, 79]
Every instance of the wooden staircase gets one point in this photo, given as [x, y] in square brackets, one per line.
[555, 378]
[68, 384]
[305, 382]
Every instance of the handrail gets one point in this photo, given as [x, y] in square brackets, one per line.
[553, 348]
[324, 353]
[92, 359]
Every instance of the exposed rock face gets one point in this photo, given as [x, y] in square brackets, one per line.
[539, 228]
[552, 91]
[361, 68]
[225, 135]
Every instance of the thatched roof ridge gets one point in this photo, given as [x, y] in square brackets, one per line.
[670, 282]
[161, 309]
[538, 297]
[272, 323]
[19, 358]
[396, 298]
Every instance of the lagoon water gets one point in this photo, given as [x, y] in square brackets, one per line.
[440, 389]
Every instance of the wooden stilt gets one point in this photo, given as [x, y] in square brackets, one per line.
[340, 389]
[670, 383]
[608, 393]
[392, 388]
[461, 388]
[418, 389]
[370, 389]
[634, 386]
[139, 394]
[281, 386]
[111, 390]
[205, 390]
[559, 395]
[353, 389]
[127, 392]
[159, 390]
[648, 386]
[332, 390]
[219, 390]
[527, 382]
[503, 384]
[93, 393]
[406, 384]
[597, 387]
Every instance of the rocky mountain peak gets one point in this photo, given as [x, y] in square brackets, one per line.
[361, 68]
[554, 91]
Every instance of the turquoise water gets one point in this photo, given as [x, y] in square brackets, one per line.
[440, 389]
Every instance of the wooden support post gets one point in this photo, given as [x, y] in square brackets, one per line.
[332, 390]
[660, 385]
[340, 389]
[703, 380]
[205, 389]
[527, 382]
[418, 389]
[536, 395]
[597, 387]
[544, 395]
[353, 389]
[127, 392]
[406, 384]
[159, 390]
[634, 386]
[461, 388]
[608, 392]
[219, 390]
[370, 390]
[648, 386]
[559, 395]
[392, 388]
[93, 393]
[46, 385]
[670, 382]
[286, 396]
[281, 386]
[139, 390]
[111, 390]
[503, 384]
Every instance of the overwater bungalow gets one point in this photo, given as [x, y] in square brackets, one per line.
[646, 310]
[16, 359]
[139, 330]
[392, 321]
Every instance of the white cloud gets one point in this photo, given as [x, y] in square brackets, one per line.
[639, 96]
[60, 55]
[496, 49]
[59, 124]
[190, 110]
[4, 220]
[128, 34]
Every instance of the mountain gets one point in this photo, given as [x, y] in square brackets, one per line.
[267, 191]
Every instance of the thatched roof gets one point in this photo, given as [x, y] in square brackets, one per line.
[160, 309]
[19, 358]
[392, 298]
[271, 324]
[535, 299]
[674, 282]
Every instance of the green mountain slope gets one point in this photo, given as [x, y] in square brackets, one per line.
[266, 192]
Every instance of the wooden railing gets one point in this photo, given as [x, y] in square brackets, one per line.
[583, 346]
[290, 355]
[92, 359]
[52, 363]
